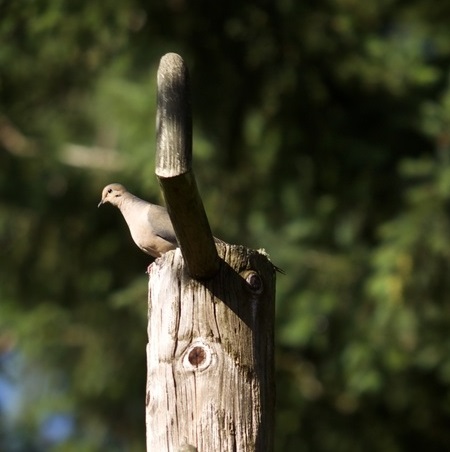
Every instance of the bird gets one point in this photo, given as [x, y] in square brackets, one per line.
[149, 224]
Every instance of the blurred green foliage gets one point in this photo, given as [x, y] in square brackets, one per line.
[321, 134]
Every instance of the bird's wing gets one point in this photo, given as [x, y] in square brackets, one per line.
[161, 224]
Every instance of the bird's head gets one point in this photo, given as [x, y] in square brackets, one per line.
[112, 193]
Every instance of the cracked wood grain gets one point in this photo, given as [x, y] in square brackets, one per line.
[210, 355]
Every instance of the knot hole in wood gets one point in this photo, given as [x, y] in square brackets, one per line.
[198, 356]
[254, 282]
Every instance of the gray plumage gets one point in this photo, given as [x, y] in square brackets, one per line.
[149, 224]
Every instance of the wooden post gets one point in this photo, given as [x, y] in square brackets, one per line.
[210, 379]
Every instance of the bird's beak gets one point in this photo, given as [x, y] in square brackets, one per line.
[100, 203]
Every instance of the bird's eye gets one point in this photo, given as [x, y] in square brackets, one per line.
[110, 190]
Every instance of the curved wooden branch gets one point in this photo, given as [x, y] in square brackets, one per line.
[174, 169]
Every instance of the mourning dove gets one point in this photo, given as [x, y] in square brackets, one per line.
[149, 224]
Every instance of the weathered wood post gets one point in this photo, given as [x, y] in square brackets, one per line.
[210, 382]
